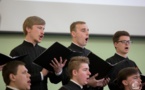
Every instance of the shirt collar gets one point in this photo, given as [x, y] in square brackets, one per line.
[29, 43]
[121, 55]
[78, 45]
[12, 88]
[77, 83]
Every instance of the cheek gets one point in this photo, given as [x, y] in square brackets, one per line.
[22, 78]
[83, 75]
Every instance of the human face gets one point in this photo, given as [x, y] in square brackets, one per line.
[123, 45]
[81, 35]
[35, 34]
[22, 78]
[82, 75]
[133, 82]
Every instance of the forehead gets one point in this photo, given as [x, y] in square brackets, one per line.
[21, 68]
[134, 75]
[124, 38]
[38, 25]
[84, 65]
[81, 26]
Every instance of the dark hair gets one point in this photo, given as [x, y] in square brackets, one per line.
[30, 21]
[73, 25]
[75, 63]
[124, 74]
[10, 68]
[118, 34]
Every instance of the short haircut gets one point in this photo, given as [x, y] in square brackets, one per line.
[118, 34]
[73, 25]
[75, 63]
[30, 21]
[124, 74]
[10, 68]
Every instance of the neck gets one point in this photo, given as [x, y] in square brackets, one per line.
[27, 39]
[77, 83]
[12, 86]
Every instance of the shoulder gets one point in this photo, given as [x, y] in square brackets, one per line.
[20, 46]
[17, 49]
[87, 50]
[110, 59]
[131, 61]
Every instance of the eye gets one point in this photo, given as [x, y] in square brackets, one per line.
[125, 41]
[83, 30]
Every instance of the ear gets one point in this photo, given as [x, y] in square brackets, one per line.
[115, 44]
[12, 77]
[125, 82]
[73, 33]
[74, 72]
[28, 29]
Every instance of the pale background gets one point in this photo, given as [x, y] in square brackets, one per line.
[103, 17]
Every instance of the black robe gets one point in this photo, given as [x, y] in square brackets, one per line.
[65, 76]
[33, 52]
[70, 86]
[113, 74]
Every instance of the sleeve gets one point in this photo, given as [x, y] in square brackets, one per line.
[54, 78]
[65, 76]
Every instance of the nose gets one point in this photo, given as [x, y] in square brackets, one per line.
[140, 80]
[89, 73]
[42, 31]
[87, 32]
[29, 75]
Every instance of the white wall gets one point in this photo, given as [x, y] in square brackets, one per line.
[101, 18]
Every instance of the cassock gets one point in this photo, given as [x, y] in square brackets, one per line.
[114, 60]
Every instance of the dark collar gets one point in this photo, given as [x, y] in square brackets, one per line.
[29, 44]
[121, 58]
[76, 48]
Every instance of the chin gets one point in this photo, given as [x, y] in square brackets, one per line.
[28, 88]
[39, 41]
[84, 45]
[85, 83]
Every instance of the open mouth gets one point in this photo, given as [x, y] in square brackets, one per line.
[87, 78]
[86, 39]
[41, 36]
[126, 48]
[136, 86]
[29, 82]
[140, 86]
